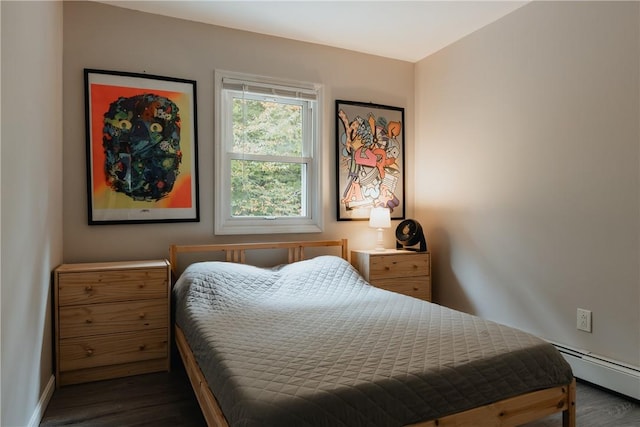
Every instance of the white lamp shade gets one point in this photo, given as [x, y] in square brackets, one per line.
[380, 218]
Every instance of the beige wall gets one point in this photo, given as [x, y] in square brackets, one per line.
[527, 143]
[106, 37]
[31, 200]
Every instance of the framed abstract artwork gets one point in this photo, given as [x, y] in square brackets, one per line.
[142, 156]
[370, 159]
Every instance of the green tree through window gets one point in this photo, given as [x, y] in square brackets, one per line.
[262, 188]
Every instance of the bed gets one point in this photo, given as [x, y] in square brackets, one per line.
[311, 343]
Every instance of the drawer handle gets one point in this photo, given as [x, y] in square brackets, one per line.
[142, 347]
[88, 288]
[89, 352]
[415, 288]
[387, 268]
[141, 285]
[142, 315]
[88, 321]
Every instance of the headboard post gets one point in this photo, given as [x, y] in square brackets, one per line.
[173, 259]
[345, 249]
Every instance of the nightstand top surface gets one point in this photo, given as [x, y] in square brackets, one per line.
[95, 266]
[388, 251]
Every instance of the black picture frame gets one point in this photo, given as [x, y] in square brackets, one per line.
[141, 148]
[369, 159]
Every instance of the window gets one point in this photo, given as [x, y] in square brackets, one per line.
[267, 156]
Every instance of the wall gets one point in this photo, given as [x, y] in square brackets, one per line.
[106, 37]
[31, 201]
[528, 139]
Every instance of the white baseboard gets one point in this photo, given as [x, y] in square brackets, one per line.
[611, 374]
[38, 412]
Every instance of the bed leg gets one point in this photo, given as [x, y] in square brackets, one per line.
[569, 414]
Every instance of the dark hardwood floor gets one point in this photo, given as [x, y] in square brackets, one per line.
[597, 407]
[166, 400]
[160, 400]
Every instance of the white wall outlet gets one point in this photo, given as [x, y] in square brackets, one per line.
[584, 320]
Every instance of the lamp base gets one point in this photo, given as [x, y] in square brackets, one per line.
[380, 241]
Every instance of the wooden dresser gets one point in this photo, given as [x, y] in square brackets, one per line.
[402, 271]
[111, 320]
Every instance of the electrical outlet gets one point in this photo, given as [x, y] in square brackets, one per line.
[584, 320]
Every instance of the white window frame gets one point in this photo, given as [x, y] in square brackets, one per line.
[224, 222]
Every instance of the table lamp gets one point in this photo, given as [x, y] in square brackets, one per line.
[380, 218]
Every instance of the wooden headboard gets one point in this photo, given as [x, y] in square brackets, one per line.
[235, 252]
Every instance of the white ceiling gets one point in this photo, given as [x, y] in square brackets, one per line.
[404, 30]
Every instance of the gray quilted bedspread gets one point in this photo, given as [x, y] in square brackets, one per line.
[313, 344]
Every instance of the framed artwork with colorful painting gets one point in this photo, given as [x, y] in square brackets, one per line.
[370, 159]
[142, 156]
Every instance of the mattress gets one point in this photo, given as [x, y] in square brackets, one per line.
[313, 344]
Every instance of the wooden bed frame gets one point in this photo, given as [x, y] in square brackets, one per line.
[514, 411]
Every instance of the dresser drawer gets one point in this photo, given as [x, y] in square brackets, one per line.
[104, 350]
[417, 287]
[390, 266]
[100, 319]
[111, 286]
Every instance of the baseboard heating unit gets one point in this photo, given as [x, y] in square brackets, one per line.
[613, 375]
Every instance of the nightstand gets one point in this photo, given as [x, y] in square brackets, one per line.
[402, 271]
[111, 320]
